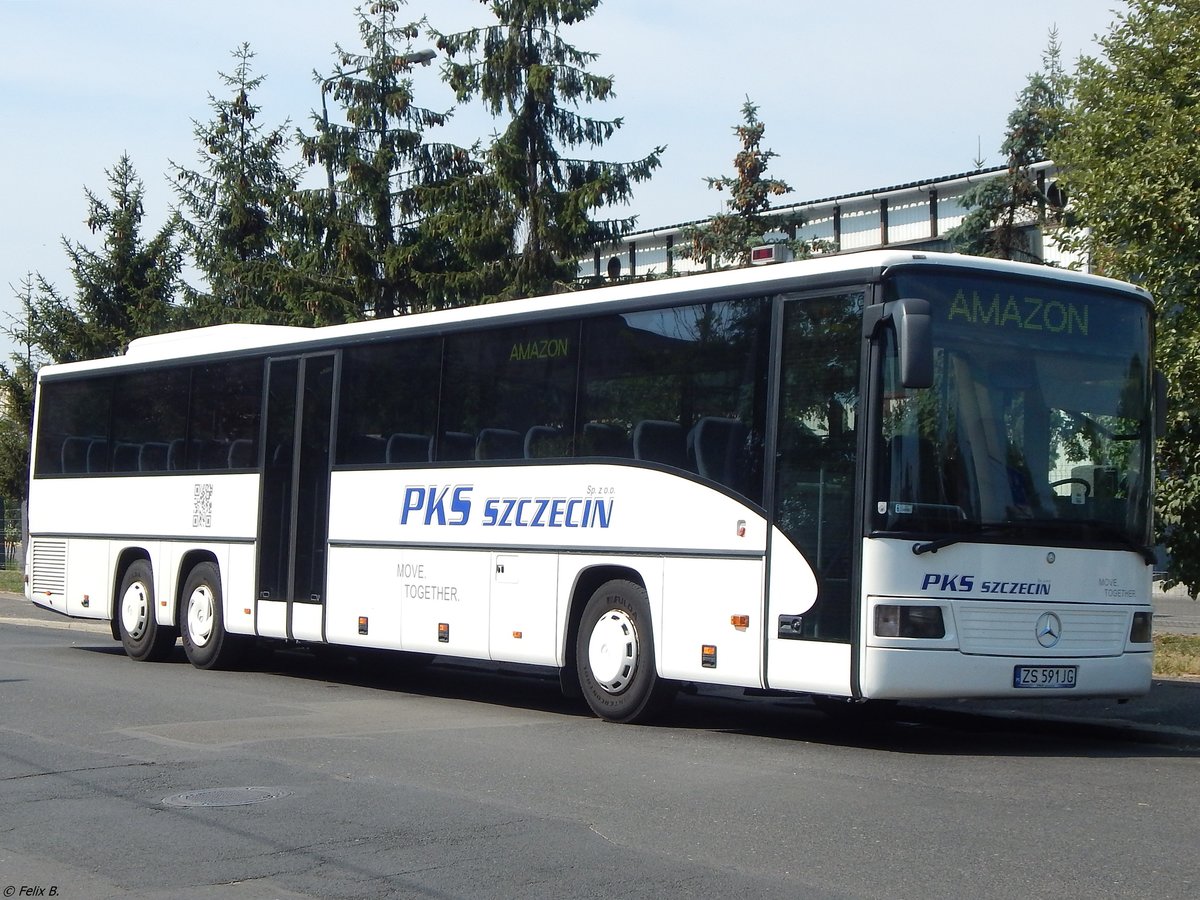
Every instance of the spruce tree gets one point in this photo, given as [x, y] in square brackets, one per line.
[727, 239]
[124, 290]
[1001, 209]
[540, 221]
[233, 206]
[363, 242]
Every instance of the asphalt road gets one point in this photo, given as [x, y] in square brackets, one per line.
[316, 776]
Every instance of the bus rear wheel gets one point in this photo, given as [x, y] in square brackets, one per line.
[202, 621]
[614, 653]
[141, 635]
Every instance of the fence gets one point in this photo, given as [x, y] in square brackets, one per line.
[13, 531]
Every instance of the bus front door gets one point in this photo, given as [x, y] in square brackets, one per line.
[293, 521]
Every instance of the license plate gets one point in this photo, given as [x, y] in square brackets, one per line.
[1044, 676]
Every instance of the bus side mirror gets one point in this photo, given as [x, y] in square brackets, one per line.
[912, 320]
[1160, 404]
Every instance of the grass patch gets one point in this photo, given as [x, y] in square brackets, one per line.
[12, 580]
[1177, 654]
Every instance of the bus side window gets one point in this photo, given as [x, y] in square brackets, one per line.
[388, 405]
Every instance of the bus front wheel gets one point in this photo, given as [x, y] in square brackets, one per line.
[614, 653]
[202, 621]
[141, 635]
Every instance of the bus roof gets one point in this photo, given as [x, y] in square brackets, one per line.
[219, 340]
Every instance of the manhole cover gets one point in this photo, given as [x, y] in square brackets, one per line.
[229, 796]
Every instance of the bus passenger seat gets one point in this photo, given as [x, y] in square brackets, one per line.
[125, 457]
[655, 440]
[499, 443]
[97, 455]
[544, 442]
[362, 449]
[176, 455]
[715, 445]
[408, 448]
[153, 457]
[456, 445]
[214, 454]
[602, 439]
[241, 454]
[74, 454]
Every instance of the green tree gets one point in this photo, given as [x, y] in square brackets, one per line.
[1001, 209]
[232, 207]
[363, 242]
[124, 290]
[1130, 160]
[541, 221]
[17, 380]
[727, 239]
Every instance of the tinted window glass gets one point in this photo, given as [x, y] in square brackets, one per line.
[199, 417]
[818, 423]
[388, 410]
[510, 394]
[149, 412]
[73, 421]
[224, 419]
[683, 387]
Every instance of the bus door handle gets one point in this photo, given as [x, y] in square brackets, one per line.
[791, 628]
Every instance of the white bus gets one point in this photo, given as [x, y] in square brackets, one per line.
[887, 475]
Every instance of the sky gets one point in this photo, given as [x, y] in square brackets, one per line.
[855, 94]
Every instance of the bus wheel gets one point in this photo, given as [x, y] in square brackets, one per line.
[141, 636]
[614, 653]
[207, 644]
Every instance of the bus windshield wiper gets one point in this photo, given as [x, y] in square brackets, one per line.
[1014, 528]
[946, 540]
[1102, 529]
[935, 546]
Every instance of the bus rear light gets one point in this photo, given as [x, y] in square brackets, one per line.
[364, 625]
[894, 620]
[1142, 630]
[708, 656]
[739, 621]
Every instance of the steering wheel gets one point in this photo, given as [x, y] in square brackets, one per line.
[1087, 485]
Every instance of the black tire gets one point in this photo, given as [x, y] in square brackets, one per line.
[202, 621]
[614, 655]
[141, 636]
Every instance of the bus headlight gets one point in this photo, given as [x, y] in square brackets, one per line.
[893, 620]
[1141, 631]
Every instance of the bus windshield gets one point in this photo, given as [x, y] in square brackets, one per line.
[1038, 426]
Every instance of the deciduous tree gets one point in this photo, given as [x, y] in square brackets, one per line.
[1130, 160]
